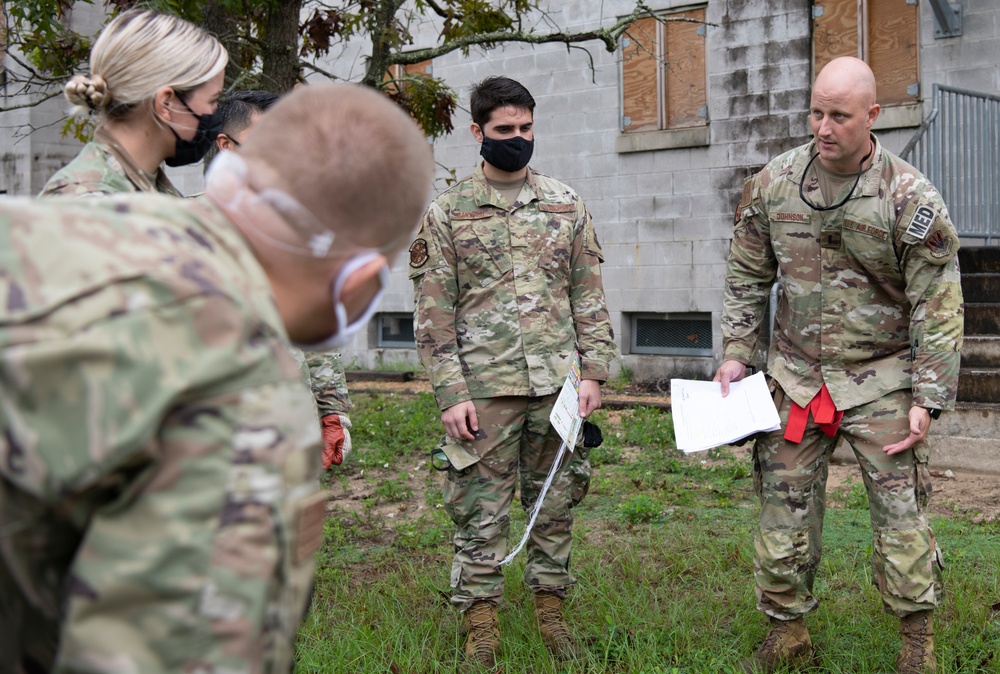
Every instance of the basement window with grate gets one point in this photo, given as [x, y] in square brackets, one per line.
[395, 331]
[671, 334]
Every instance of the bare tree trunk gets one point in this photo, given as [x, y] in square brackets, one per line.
[382, 44]
[280, 46]
[222, 24]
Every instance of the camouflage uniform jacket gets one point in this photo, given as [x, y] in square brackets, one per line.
[328, 382]
[870, 298]
[504, 294]
[104, 167]
[159, 456]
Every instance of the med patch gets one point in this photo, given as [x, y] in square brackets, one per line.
[920, 223]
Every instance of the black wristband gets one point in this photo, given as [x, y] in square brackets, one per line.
[934, 412]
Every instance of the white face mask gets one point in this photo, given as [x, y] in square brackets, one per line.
[346, 331]
[227, 186]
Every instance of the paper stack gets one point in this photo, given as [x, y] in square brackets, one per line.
[704, 419]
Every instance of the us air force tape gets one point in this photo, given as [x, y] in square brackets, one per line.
[920, 223]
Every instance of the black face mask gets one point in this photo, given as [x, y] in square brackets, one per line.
[191, 151]
[509, 154]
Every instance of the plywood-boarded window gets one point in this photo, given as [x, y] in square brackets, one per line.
[664, 83]
[399, 73]
[884, 33]
[398, 78]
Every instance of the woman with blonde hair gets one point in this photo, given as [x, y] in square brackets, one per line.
[154, 83]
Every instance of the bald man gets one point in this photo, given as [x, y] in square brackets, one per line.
[865, 349]
[159, 457]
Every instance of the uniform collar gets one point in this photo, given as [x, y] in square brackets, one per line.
[485, 195]
[136, 175]
[870, 179]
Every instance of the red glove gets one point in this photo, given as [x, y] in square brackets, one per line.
[336, 439]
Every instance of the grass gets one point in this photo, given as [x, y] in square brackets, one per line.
[662, 552]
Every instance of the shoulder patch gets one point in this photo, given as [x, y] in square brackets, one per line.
[940, 245]
[418, 253]
[745, 198]
[920, 224]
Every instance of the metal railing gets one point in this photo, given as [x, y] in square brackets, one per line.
[958, 148]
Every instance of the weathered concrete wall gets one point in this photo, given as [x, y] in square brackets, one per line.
[663, 216]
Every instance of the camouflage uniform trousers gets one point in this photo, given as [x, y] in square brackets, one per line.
[790, 480]
[519, 441]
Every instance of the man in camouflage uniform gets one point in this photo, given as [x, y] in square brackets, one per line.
[507, 280]
[240, 112]
[159, 460]
[866, 343]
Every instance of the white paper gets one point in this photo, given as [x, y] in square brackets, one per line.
[565, 415]
[704, 419]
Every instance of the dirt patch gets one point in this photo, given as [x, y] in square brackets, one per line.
[955, 492]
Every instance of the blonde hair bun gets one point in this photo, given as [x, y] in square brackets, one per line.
[90, 92]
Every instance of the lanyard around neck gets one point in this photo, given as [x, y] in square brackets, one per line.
[861, 170]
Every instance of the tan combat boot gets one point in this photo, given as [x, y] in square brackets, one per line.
[787, 643]
[917, 654]
[482, 634]
[555, 633]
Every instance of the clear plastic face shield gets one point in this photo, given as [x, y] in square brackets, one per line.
[227, 185]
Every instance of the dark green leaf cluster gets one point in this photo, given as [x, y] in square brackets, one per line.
[431, 102]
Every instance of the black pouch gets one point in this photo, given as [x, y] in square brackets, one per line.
[592, 436]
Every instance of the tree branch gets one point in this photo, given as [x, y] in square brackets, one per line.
[440, 11]
[315, 68]
[31, 104]
[609, 36]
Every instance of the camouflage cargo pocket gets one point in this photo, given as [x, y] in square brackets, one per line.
[757, 477]
[923, 483]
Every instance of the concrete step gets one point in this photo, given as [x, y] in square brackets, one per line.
[982, 319]
[961, 453]
[981, 287]
[979, 385]
[970, 420]
[979, 259]
[966, 439]
[981, 351]
[955, 452]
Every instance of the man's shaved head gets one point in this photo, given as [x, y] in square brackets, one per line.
[349, 155]
[848, 76]
[842, 111]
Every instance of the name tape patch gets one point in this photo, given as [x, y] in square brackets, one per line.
[790, 217]
[920, 223]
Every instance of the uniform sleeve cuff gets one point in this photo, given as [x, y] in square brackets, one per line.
[446, 399]
[595, 371]
[738, 352]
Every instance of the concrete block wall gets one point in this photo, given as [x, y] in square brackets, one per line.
[969, 61]
[664, 217]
